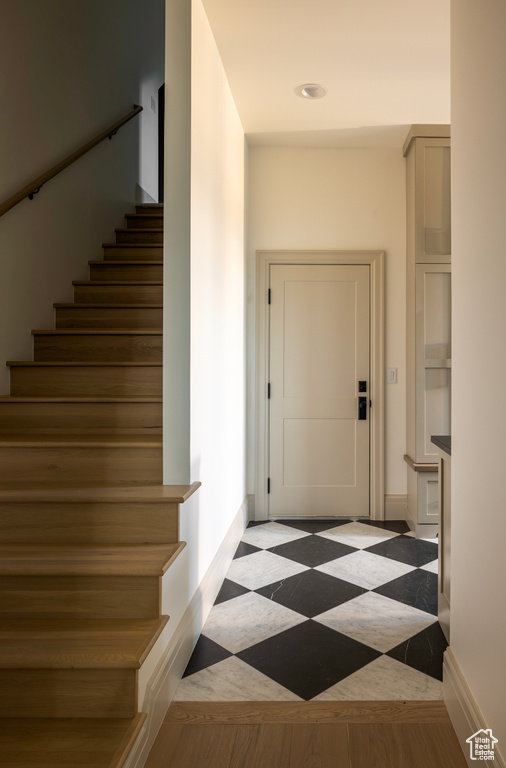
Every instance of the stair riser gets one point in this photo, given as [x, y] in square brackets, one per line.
[146, 222]
[118, 294]
[68, 693]
[99, 524]
[95, 381]
[149, 208]
[139, 253]
[99, 348]
[80, 465]
[109, 317]
[111, 418]
[111, 271]
[80, 597]
[138, 236]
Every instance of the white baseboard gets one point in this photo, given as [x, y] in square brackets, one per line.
[421, 530]
[162, 685]
[464, 712]
[396, 506]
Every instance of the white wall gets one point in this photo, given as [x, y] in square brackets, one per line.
[217, 437]
[478, 574]
[69, 70]
[336, 199]
[176, 288]
[204, 342]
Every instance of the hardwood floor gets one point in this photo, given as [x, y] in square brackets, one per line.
[391, 734]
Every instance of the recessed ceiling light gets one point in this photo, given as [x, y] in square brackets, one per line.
[311, 91]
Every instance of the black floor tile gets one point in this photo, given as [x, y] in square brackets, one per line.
[406, 549]
[254, 523]
[230, 589]
[311, 592]
[309, 658]
[313, 526]
[417, 588]
[396, 526]
[312, 550]
[245, 549]
[423, 651]
[205, 654]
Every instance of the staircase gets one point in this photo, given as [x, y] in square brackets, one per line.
[87, 529]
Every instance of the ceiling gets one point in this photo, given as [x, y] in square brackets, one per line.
[385, 64]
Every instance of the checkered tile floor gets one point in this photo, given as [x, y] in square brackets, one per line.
[312, 610]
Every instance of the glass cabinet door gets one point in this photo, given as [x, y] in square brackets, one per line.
[432, 201]
[433, 341]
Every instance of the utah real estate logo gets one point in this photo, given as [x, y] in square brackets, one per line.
[481, 745]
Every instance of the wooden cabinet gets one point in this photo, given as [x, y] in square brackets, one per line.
[427, 151]
[429, 367]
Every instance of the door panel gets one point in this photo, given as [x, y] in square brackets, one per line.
[319, 350]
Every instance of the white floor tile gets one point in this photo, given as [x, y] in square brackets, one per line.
[271, 535]
[358, 535]
[376, 621]
[246, 620]
[231, 680]
[431, 567]
[365, 569]
[384, 679]
[262, 568]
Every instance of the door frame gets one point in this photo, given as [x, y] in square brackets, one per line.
[375, 260]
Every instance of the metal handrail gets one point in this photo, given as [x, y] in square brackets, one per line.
[31, 189]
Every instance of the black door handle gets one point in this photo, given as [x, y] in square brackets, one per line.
[362, 408]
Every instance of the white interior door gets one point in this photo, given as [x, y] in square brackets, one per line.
[319, 352]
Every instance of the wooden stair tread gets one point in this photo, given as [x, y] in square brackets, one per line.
[146, 263]
[69, 440]
[99, 332]
[50, 560]
[147, 229]
[67, 742]
[76, 399]
[153, 213]
[82, 363]
[96, 283]
[107, 306]
[77, 643]
[146, 494]
[148, 214]
[131, 245]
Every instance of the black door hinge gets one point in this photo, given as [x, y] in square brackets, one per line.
[269, 391]
[269, 295]
[268, 485]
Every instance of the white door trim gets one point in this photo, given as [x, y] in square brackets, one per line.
[375, 259]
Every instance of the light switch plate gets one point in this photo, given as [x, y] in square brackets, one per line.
[391, 375]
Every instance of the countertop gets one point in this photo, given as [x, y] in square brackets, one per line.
[444, 442]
